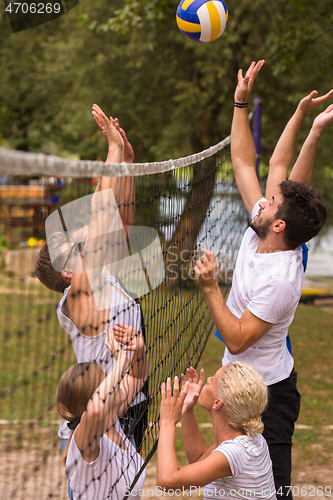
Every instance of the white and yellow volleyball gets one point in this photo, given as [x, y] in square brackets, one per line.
[202, 20]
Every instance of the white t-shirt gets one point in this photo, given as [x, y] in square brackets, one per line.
[93, 349]
[96, 480]
[251, 468]
[269, 285]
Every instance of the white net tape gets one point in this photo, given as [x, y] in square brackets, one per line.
[23, 163]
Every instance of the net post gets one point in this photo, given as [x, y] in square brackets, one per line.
[257, 129]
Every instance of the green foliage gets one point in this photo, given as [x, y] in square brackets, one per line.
[4, 243]
[172, 96]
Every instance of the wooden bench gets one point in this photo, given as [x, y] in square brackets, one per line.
[24, 206]
[309, 295]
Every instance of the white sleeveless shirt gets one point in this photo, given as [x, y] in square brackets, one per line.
[96, 480]
[93, 349]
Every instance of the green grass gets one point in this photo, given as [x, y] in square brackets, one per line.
[34, 351]
[311, 334]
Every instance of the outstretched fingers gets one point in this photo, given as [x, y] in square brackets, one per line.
[321, 99]
[168, 389]
[193, 377]
[163, 392]
[167, 393]
[122, 327]
[251, 72]
[97, 121]
[175, 387]
[329, 109]
[183, 394]
[323, 119]
[257, 67]
[250, 68]
[202, 378]
[311, 101]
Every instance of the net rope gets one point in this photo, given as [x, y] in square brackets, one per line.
[21, 162]
[191, 203]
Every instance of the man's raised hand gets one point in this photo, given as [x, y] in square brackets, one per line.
[324, 119]
[206, 270]
[311, 101]
[245, 84]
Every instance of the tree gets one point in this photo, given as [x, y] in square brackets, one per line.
[172, 96]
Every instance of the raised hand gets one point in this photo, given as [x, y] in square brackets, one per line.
[194, 386]
[311, 101]
[206, 270]
[129, 336]
[112, 344]
[109, 130]
[245, 84]
[172, 406]
[324, 119]
[128, 152]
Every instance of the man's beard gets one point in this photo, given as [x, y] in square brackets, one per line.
[261, 227]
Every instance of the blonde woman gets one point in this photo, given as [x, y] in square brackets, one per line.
[238, 464]
[100, 461]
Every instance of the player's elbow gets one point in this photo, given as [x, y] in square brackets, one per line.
[235, 350]
[238, 166]
[164, 480]
[236, 347]
[273, 163]
[94, 412]
[168, 482]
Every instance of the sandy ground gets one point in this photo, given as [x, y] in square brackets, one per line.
[30, 476]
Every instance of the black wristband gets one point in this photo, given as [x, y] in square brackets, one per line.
[240, 104]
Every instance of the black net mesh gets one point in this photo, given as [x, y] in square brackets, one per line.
[188, 208]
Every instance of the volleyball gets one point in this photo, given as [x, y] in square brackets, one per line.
[202, 20]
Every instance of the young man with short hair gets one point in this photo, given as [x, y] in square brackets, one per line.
[267, 280]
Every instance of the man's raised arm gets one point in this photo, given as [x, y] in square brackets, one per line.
[243, 155]
[238, 335]
[284, 151]
[303, 168]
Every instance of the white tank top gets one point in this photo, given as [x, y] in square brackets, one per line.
[96, 480]
[93, 349]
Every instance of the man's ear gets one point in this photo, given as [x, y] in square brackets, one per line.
[67, 274]
[218, 403]
[279, 225]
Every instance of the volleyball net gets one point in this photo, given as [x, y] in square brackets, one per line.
[139, 270]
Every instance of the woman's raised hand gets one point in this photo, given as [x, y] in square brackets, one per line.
[172, 405]
[194, 386]
[108, 127]
[128, 336]
[111, 343]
